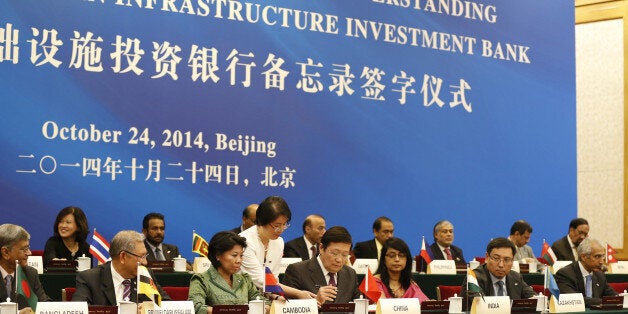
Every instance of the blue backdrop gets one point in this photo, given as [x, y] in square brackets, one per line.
[417, 110]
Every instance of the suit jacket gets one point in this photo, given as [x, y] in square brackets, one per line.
[308, 275]
[170, 251]
[515, 286]
[569, 280]
[456, 254]
[366, 249]
[562, 249]
[33, 280]
[95, 286]
[56, 249]
[296, 248]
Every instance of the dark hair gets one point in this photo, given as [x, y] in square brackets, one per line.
[150, 216]
[82, 227]
[271, 208]
[498, 243]
[577, 222]
[336, 234]
[221, 242]
[406, 274]
[308, 220]
[377, 224]
[520, 226]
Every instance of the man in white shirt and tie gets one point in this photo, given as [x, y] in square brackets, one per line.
[565, 248]
[306, 246]
[443, 248]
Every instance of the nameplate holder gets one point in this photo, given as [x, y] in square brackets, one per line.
[300, 306]
[568, 302]
[615, 302]
[442, 267]
[559, 264]
[201, 264]
[620, 267]
[161, 266]
[361, 264]
[167, 307]
[102, 309]
[230, 309]
[491, 305]
[8, 308]
[287, 261]
[399, 306]
[36, 262]
[435, 306]
[525, 268]
[61, 266]
[524, 305]
[337, 308]
[61, 307]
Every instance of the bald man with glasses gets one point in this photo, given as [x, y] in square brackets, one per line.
[116, 280]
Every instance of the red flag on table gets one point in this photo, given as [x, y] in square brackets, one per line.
[548, 254]
[271, 284]
[369, 287]
[610, 254]
[424, 253]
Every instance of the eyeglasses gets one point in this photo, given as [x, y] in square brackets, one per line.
[396, 255]
[25, 249]
[497, 259]
[280, 227]
[337, 254]
[597, 256]
[141, 257]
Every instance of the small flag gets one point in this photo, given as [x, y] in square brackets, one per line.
[199, 245]
[146, 286]
[472, 282]
[99, 247]
[550, 283]
[271, 284]
[369, 287]
[24, 288]
[548, 254]
[610, 254]
[427, 256]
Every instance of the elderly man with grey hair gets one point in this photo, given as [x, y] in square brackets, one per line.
[586, 276]
[15, 247]
[115, 281]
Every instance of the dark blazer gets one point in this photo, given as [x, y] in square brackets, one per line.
[456, 254]
[563, 250]
[170, 251]
[95, 286]
[515, 286]
[569, 280]
[296, 248]
[308, 275]
[366, 249]
[56, 249]
[33, 281]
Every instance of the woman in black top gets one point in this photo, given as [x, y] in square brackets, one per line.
[70, 235]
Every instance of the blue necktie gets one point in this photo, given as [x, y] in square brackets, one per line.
[7, 283]
[500, 289]
[588, 289]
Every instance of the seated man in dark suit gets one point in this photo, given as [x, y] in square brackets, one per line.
[495, 276]
[248, 218]
[443, 248]
[154, 230]
[383, 230]
[306, 246]
[585, 276]
[565, 247]
[15, 246]
[116, 280]
[327, 276]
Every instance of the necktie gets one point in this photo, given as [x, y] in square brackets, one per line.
[500, 289]
[313, 249]
[588, 286]
[448, 252]
[158, 255]
[7, 283]
[126, 294]
[332, 279]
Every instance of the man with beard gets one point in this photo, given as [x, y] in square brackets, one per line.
[154, 229]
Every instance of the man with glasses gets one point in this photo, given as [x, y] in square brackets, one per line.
[248, 218]
[306, 246]
[495, 276]
[586, 275]
[327, 275]
[116, 280]
[566, 248]
[15, 246]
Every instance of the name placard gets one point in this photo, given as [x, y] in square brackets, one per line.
[442, 267]
[287, 261]
[300, 306]
[559, 264]
[361, 264]
[403, 305]
[168, 307]
[201, 264]
[62, 307]
[36, 262]
[620, 267]
[569, 302]
[491, 305]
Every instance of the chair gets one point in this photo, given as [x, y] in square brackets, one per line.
[37, 252]
[540, 289]
[480, 259]
[619, 287]
[66, 294]
[177, 293]
[445, 292]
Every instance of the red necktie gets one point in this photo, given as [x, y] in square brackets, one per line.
[332, 279]
[448, 252]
